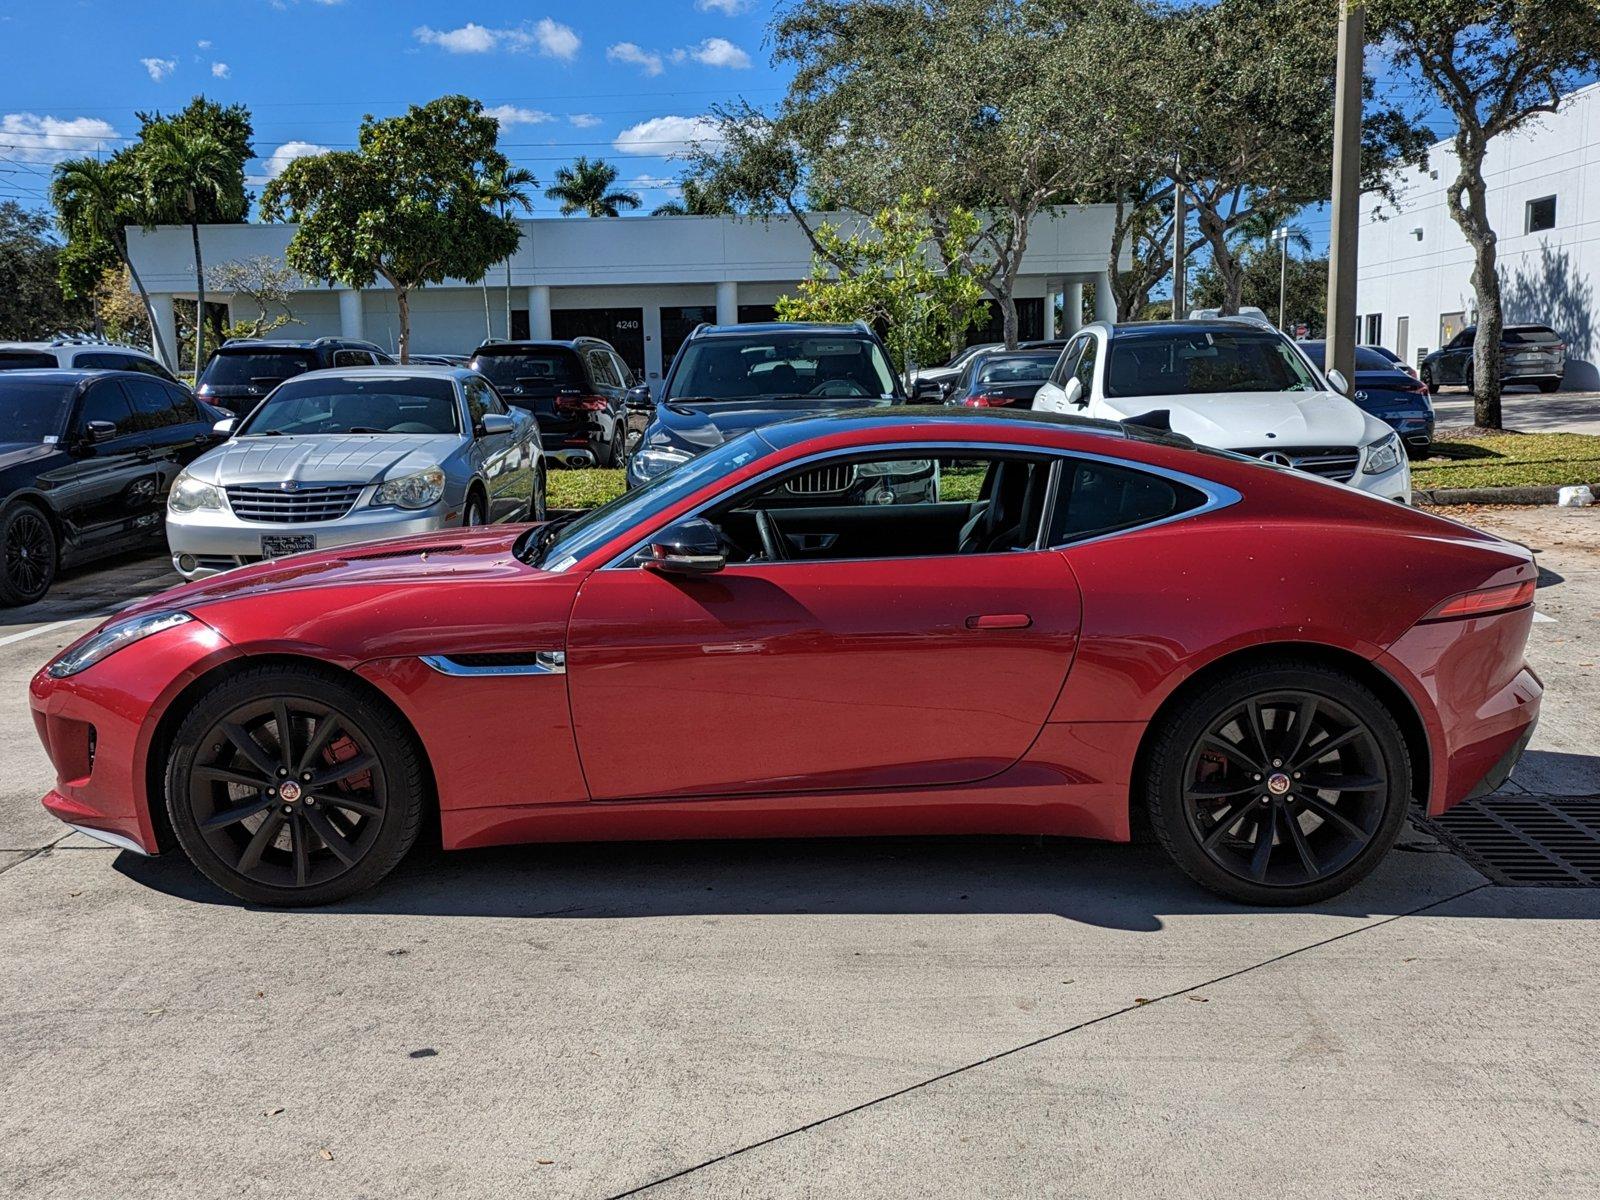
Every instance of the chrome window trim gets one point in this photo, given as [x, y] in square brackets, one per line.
[546, 662]
[1217, 496]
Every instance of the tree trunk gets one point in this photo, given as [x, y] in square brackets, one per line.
[149, 311]
[1466, 200]
[200, 292]
[402, 303]
[508, 298]
[1229, 271]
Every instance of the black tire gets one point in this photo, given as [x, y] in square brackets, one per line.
[539, 506]
[1425, 375]
[1204, 799]
[619, 445]
[476, 512]
[1549, 385]
[244, 837]
[29, 555]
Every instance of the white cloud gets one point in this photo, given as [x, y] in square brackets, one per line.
[666, 136]
[33, 138]
[584, 120]
[720, 52]
[551, 38]
[159, 68]
[728, 8]
[204, 43]
[285, 154]
[510, 114]
[220, 70]
[647, 61]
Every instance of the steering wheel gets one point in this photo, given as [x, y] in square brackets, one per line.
[835, 389]
[773, 543]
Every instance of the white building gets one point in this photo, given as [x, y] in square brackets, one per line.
[1414, 291]
[642, 283]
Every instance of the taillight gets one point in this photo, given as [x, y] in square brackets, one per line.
[984, 400]
[1484, 601]
[578, 402]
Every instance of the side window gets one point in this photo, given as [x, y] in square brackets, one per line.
[105, 401]
[623, 370]
[149, 366]
[480, 400]
[353, 358]
[101, 360]
[152, 404]
[605, 375]
[1085, 367]
[1067, 364]
[1095, 498]
[491, 398]
[183, 404]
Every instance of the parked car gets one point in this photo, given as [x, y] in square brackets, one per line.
[1095, 624]
[726, 379]
[81, 353]
[1388, 393]
[334, 458]
[86, 460]
[441, 360]
[1528, 354]
[577, 389]
[1248, 312]
[1002, 379]
[1230, 383]
[930, 384]
[242, 371]
[1400, 364]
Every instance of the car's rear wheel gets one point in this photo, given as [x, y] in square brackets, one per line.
[30, 555]
[477, 512]
[1279, 786]
[539, 506]
[1549, 385]
[292, 787]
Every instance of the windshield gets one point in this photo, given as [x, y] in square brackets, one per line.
[33, 410]
[1198, 363]
[371, 404]
[1529, 335]
[1017, 368]
[600, 525]
[241, 368]
[786, 364]
[542, 370]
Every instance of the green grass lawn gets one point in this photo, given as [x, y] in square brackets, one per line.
[1511, 459]
[583, 487]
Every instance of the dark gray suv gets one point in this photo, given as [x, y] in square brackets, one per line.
[240, 373]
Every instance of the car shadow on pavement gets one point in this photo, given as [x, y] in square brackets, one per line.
[1128, 887]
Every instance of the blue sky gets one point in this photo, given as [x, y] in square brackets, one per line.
[619, 78]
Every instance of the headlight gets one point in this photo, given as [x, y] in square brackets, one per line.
[113, 638]
[189, 495]
[412, 491]
[1383, 455]
[658, 459]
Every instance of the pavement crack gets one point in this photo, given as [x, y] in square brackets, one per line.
[1045, 1039]
[35, 852]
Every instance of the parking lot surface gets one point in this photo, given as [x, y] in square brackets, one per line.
[898, 1017]
[1526, 410]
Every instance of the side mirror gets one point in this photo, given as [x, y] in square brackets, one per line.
[928, 391]
[223, 428]
[495, 423]
[1338, 382]
[638, 398]
[1074, 392]
[95, 432]
[689, 547]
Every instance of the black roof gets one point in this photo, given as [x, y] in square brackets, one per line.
[962, 422]
[758, 328]
[70, 374]
[537, 344]
[1195, 325]
[295, 343]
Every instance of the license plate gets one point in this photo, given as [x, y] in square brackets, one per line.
[277, 547]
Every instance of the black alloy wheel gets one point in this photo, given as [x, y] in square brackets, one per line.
[291, 788]
[1283, 788]
[30, 555]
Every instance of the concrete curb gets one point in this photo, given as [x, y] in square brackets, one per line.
[1488, 495]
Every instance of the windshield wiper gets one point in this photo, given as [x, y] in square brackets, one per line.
[533, 551]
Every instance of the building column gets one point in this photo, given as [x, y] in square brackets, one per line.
[1051, 291]
[1105, 304]
[350, 315]
[167, 327]
[1072, 308]
[727, 303]
[653, 364]
[539, 312]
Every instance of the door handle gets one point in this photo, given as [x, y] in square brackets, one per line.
[1000, 621]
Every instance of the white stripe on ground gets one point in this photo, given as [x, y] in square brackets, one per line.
[38, 629]
[1540, 618]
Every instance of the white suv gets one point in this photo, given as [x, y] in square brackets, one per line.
[80, 353]
[1232, 384]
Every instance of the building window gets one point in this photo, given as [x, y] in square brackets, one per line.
[754, 314]
[1541, 214]
[1374, 330]
[519, 325]
[1450, 324]
[678, 322]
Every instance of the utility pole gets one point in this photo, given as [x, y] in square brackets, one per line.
[1179, 239]
[1341, 354]
[1281, 236]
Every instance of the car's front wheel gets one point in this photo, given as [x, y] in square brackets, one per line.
[30, 555]
[292, 787]
[1279, 786]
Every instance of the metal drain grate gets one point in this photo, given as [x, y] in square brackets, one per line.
[1527, 841]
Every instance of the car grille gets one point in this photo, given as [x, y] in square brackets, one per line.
[824, 481]
[276, 505]
[1330, 462]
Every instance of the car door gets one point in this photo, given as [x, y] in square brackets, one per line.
[903, 670]
[169, 429]
[1458, 357]
[496, 456]
[108, 493]
[607, 373]
[1052, 397]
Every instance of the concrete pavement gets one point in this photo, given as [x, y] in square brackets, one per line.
[894, 1017]
[1526, 410]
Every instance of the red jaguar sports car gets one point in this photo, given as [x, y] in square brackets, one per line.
[899, 621]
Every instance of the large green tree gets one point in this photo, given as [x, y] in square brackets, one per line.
[587, 187]
[31, 302]
[1305, 286]
[1496, 65]
[408, 206]
[698, 198]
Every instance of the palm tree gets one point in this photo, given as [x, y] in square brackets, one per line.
[585, 187]
[181, 170]
[96, 202]
[508, 190]
[698, 200]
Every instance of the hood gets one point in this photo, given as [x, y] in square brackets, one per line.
[1252, 420]
[449, 556]
[704, 425]
[322, 458]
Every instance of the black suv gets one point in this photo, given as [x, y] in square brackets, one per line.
[577, 390]
[241, 372]
[86, 460]
[726, 379]
[1528, 354]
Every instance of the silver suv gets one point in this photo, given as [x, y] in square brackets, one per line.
[80, 353]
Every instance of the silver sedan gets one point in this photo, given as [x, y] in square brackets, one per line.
[330, 458]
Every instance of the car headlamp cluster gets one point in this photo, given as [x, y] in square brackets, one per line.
[115, 636]
[1382, 455]
[189, 495]
[656, 460]
[412, 491]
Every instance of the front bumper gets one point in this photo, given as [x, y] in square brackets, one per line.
[209, 541]
[1393, 484]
